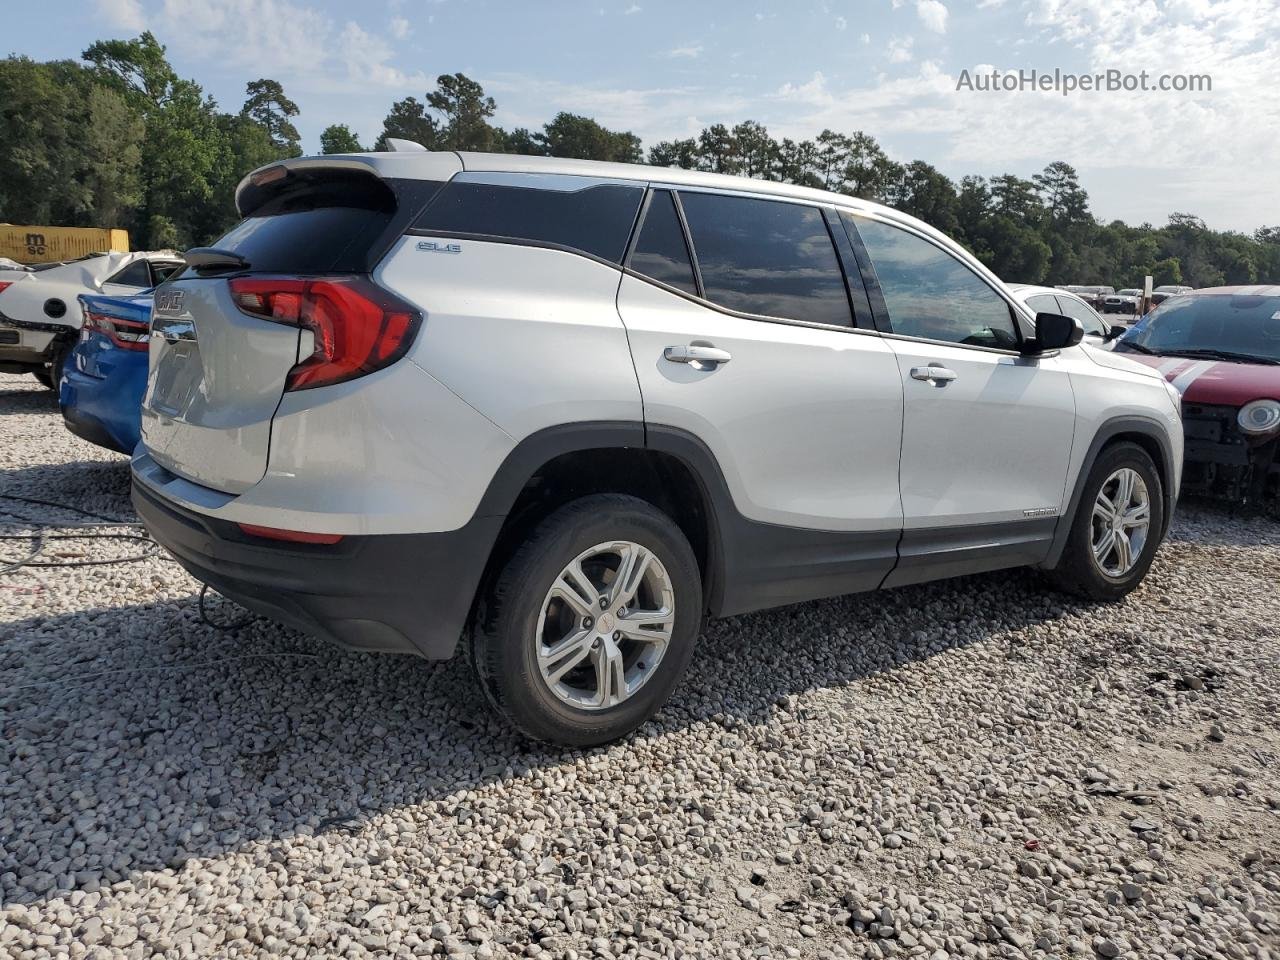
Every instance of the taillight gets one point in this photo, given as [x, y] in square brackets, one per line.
[289, 536]
[358, 326]
[5, 285]
[125, 334]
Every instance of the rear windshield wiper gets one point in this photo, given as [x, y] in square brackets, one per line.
[205, 259]
[1224, 355]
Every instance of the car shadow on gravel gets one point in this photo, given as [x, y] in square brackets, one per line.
[40, 400]
[134, 738]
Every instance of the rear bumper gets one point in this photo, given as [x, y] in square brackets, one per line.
[400, 593]
[24, 342]
[105, 411]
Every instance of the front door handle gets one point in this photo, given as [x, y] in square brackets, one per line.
[699, 357]
[934, 373]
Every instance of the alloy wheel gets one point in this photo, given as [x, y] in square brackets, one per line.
[605, 625]
[1121, 522]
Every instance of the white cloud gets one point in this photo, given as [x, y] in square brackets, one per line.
[689, 52]
[865, 38]
[399, 27]
[900, 49]
[634, 8]
[933, 14]
[841, 23]
[123, 14]
[319, 56]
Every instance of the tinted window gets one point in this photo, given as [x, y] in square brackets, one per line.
[932, 295]
[1043, 303]
[576, 212]
[314, 223]
[135, 274]
[767, 257]
[660, 250]
[1082, 312]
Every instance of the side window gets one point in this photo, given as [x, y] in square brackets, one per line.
[660, 250]
[767, 257]
[162, 270]
[587, 214]
[136, 274]
[1043, 303]
[932, 295]
[1092, 322]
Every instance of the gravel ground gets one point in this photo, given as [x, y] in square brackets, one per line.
[971, 769]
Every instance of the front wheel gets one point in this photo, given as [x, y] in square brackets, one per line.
[591, 623]
[1117, 526]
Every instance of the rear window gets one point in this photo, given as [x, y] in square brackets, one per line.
[326, 222]
[581, 213]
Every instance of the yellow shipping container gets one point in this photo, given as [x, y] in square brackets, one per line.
[42, 244]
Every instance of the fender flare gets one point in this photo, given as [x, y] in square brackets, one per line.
[1116, 427]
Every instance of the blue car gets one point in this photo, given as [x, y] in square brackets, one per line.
[106, 374]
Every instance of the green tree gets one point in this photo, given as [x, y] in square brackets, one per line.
[925, 193]
[1166, 272]
[267, 106]
[675, 153]
[868, 171]
[408, 120]
[113, 138]
[717, 150]
[137, 66]
[581, 138]
[757, 152]
[338, 138]
[465, 110]
[42, 129]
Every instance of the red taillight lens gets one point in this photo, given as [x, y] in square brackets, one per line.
[358, 326]
[125, 334]
[5, 285]
[290, 536]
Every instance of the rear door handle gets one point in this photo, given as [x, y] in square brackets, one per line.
[934, 373]
[699, 357]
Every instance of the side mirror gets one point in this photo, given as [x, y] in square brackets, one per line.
[1115, 333]
[1053, 332]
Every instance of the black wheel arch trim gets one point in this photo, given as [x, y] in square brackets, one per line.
[1109, 431]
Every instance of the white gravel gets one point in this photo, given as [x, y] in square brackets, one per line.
[972, 769]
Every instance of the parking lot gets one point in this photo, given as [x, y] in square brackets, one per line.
[972, 768]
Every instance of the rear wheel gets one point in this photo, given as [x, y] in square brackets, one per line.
[591, 623]
[1117, 526]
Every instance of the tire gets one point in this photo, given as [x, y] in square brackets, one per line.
[521, 615]
[1079, 571]
[57, 365]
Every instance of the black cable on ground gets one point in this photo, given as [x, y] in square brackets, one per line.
[127, 530]
[133, 531]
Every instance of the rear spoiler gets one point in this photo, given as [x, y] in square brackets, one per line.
[269, 181]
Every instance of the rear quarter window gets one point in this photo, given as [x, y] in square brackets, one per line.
[581, 213]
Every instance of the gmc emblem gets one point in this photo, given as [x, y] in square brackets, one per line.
[169, 301]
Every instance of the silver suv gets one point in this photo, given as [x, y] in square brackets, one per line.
[563, 411]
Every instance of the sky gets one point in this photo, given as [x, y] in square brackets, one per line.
[667, 69]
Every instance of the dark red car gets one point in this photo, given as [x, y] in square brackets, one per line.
[1220, 347]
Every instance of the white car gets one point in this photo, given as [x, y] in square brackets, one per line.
[40, 313]
[1097, 331]
[1123, 301]
[563, 411]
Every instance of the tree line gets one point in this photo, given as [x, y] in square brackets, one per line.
[119, 139]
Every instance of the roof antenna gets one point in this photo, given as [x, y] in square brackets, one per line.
[405, 146]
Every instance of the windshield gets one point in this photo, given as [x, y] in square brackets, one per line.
[1245, 325]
